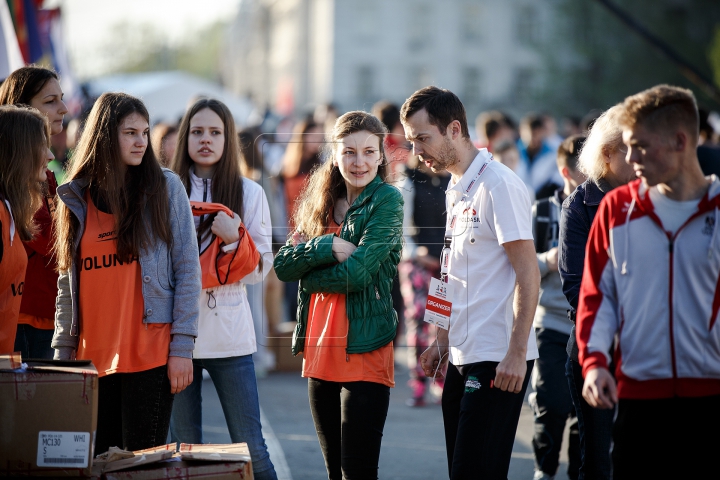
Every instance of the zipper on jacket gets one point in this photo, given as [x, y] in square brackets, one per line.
[377, 294]
[670, 310]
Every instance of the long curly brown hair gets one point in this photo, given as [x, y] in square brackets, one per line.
[326, 184]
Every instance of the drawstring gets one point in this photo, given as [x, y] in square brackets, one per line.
[623, 270]
[211, 299]
[714, 234]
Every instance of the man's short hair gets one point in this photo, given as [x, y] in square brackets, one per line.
[664, 108]
[387, 112]
[490, 123]
[569, 151]
[532, 121]
[442, 106]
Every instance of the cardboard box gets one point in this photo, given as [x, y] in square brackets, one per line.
[48, 418]
[178, 469]
[281, 345]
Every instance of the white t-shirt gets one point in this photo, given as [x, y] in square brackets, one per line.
[491, 209]
[225, 325]
[672, 214]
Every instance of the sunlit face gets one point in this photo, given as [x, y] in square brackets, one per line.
[48, 157]
[433, 147]
[651, 155]
[206, 140]
[358, 158]
[133, 139]
[49, 101]
[619, 172]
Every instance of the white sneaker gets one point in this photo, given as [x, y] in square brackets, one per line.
[540, 475]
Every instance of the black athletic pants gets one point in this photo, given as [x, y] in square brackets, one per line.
[349, 420]
[480, 421]
[667, 438]
[133, 410]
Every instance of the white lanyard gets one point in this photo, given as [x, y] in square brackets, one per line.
[445, 256]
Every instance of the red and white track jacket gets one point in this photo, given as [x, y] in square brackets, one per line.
[659, 293]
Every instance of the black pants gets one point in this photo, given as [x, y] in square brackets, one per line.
[480, 422]
[668, 438]
[552, 405]
[595, 426]
[349, 420]
[33, 342]
[133, 410]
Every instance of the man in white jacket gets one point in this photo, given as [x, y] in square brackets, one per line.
[651, 279]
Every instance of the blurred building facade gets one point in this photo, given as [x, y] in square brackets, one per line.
[294, 54]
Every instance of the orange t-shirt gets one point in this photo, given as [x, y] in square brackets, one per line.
[324, 356]
[40, 323]
[112, 332]
[12, 278]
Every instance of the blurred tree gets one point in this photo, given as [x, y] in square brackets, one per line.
[714, 55]
[141, 48]
[594, 61]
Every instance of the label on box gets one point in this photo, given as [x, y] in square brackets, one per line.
[439, 304]
[63, 449]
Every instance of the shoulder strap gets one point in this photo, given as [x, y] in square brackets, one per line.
[542, 224]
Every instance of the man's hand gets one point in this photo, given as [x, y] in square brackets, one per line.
[510, 373]
[599, 389]
[434, 356]
[342, 249]
[431, 358]
[180, 373]
[226, 227]
[551, 259]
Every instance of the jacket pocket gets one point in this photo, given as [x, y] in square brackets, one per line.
[163, 265]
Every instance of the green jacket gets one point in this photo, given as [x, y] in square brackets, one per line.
[374, 224]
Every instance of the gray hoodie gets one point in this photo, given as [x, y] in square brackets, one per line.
[171, 275]
[552, 307]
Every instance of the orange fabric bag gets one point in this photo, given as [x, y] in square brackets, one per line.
[219, 268]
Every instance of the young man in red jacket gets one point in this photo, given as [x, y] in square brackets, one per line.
[651, 279]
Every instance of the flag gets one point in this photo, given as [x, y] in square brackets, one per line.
[10, 56]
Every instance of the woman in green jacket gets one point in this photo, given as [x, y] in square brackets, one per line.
[345, 253]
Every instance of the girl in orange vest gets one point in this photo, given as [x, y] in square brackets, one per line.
[234, 240]
[39, 88]
[129, 274]
[24, 155]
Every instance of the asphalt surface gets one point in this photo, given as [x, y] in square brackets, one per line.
[413, 443]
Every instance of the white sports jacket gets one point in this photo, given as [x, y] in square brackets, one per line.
[659, 293]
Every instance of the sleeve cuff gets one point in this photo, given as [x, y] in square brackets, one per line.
[231, 247]
[63, 353]
[182, 345]
[593, 361]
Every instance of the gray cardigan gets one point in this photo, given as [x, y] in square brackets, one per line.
[171, 276]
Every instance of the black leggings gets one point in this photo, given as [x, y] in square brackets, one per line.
[133, 410]
[349, 420]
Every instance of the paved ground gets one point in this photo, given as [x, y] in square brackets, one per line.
[413, 443]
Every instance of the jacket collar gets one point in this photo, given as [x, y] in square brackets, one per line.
[367, 192]
[595, 190]
[72, 194]
[710, 201]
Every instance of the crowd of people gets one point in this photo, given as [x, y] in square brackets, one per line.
[586, 265]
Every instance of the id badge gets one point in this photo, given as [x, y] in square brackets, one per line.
[439, 304]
